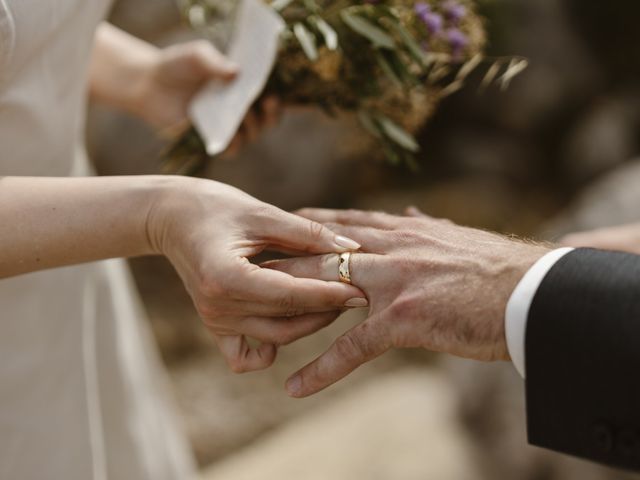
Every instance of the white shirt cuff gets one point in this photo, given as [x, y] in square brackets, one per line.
[519, 304]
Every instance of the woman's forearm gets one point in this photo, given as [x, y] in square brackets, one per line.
[119, 65]
[51, 222]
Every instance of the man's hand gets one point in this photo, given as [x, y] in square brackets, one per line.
[430, 284]
[623, 238]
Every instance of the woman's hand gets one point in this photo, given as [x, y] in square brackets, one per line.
[157, 85]
[209, 231]
[430, 284]
[623, 238]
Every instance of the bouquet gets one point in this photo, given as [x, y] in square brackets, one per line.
[388, 61]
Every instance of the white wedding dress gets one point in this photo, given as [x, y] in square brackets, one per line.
[82, 392]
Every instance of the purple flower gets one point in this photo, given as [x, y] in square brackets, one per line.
[432, 20]
[421, 9]
[457, 40]
[454, 11]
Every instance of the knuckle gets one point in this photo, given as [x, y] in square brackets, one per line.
[333, 226]
[316, 230]
[349, 347]
[287, 305]
[323, 264]
[202, 48]
[405, 307]
[263, 213]
[399, 266]
[406, 236]
[207, 311]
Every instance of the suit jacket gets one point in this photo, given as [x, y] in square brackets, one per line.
[583, 358]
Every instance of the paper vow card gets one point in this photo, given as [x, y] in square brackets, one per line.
[218, 109]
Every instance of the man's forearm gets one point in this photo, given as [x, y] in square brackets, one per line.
[118, 66]
[51, 222]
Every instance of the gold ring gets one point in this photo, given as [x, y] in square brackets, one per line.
[344, 264]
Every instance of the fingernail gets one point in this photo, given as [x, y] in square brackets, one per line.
[347, 243]
[294, 384]
[357, 302]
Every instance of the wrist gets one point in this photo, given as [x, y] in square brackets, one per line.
[521, 259]
[166, 193]
[138, 99]
[520, 300]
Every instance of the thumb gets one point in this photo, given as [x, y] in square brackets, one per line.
[211, 62]
[287, 230]
[359, 345]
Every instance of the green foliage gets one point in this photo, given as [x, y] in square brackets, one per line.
[377, 59]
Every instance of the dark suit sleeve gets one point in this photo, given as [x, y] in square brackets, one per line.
[582, 353]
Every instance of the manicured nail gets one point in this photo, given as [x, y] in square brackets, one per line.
[347, 243]
[357, 302]
[294, 384]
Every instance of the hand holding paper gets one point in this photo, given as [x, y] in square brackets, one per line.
[219, 109]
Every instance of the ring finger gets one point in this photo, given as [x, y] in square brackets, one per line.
[325, 267]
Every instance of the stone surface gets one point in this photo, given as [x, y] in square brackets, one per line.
[223, 412]
[613, 199]
[604, 138]
[399, 426]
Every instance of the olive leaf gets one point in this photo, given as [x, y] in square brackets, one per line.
[279, 5]
[398, 134]
[469, 67]
[369, 123]
[412, 46]
[388, 69]
[369, 30]
[307, 41]
[311, 5]
[327, 31]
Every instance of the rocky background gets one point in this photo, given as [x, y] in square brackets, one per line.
[552, 155]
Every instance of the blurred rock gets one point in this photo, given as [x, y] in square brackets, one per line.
[610, 31]
[223, 411]
[305, 160]
[612, 200]
[605, 137]
[482, 201]
[561, 70]
[400, 426]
